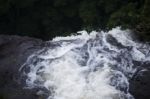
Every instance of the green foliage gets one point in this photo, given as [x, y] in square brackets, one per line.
[88, 12]
[4, 6]
[49, 18]
[143, 28]
[127, 17]
[23, 3]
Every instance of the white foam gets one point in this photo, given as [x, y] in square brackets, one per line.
[82, 35]
[85, 66]
[124, 37]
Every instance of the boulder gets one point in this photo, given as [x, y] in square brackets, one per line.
[14, 51]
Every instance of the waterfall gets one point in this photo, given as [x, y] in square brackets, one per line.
[96, 65]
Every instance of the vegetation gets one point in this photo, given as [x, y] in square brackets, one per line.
[48, 18]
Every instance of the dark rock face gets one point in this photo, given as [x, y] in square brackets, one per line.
[14, 51]
[140, 83]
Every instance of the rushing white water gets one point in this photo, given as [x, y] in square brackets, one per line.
[86, 66]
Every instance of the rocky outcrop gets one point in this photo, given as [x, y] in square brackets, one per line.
[14, 51]
[140, 83]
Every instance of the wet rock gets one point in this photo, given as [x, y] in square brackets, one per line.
[14, 51]
[140, 83]
[114, 42]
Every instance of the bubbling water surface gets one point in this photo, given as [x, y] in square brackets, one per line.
[86, 66]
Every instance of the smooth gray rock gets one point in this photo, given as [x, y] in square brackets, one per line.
[14, 51]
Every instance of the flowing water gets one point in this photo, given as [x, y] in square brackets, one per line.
[97, 65]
